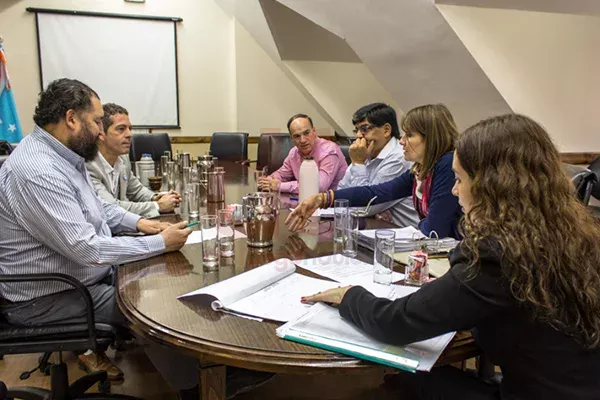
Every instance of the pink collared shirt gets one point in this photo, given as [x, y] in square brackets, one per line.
[329, 158]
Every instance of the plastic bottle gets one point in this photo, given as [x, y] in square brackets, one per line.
[308, 183]
[144, 169]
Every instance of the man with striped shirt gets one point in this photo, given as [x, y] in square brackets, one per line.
[53, 222]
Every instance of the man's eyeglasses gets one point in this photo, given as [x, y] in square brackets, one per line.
[363, 129]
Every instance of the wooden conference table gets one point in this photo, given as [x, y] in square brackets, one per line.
[148, 290]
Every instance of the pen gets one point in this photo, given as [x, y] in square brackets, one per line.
[191, 224]
[294, 198]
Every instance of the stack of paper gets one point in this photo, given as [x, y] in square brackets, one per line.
[407, 239]
[323, 327]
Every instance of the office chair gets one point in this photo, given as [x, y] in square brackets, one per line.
[5, 148]
[595, 168]
[232, 146]
[58, 338]
[584, 181]
[149, 143]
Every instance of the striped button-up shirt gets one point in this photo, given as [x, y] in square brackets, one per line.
[52, 221]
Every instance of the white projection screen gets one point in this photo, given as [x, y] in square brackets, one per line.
[128, 61]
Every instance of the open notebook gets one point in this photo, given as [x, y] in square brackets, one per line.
[323, 327]
[271, 291]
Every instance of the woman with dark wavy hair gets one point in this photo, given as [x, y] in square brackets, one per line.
[526, 276]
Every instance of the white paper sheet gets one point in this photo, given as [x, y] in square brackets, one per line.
[280, 301]
[196, 236]
[322, 212]
[343, 269]
[224, 293]
[405, 233]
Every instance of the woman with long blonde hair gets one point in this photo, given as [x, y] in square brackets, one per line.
[428, 141]
[526, 276]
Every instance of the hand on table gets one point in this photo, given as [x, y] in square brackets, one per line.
[331, 296]
[175, 236]
[299, 217]
[151, 227]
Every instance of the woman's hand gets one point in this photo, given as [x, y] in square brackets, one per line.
[331, 296]
[299, 217]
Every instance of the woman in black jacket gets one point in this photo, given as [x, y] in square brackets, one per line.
[526, 275]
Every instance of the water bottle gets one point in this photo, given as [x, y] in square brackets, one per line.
[144, 169]
[308, 184]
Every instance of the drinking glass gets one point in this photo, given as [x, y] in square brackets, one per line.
[193, 200]
[210, 235]
[351, 244]
[383, 257]
[341, 216]
[226, 233]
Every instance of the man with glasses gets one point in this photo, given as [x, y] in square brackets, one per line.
[328, 156]
[378, 157]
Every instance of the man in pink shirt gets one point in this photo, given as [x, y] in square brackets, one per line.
[328, 156]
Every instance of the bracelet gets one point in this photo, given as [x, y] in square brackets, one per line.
[322, 200]
[331, 198]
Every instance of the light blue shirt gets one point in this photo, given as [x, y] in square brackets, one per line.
[53, 221]
[388, 164]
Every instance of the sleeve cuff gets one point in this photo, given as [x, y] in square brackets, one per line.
[156, 244]
[130, 221]
[156, 205]
[351, 294]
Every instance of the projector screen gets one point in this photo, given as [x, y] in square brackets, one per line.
[128, 61]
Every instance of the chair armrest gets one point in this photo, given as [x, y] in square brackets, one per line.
[69, 280]
[247, 162]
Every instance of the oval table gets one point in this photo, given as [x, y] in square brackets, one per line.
[148, 291]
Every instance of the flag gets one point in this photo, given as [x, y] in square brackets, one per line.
[10, 128]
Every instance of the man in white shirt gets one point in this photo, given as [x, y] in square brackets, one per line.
[378, 157]
[111, 169]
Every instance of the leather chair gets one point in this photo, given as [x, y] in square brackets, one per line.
[149, 143]
[583, 179]
[275, 150]
[58, 337]
[345, 147]
[5, 148]
[232, 146]
[595, 168]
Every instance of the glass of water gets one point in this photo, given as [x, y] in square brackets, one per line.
[383, 258]
[351, 244]
[226, 233]
[341, 216]
[193, 200]
[210, 236]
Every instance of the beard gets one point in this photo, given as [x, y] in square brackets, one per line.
[84, 145]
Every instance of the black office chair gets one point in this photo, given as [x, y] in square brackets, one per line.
[58, 338]
[345, 147]
[232, 146]
[5, 148]
[584, 181]
[595, 168]
[149, 143]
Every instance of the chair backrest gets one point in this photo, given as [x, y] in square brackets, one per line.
[595, 168]
[232, 146]
[5, 148]
[278, 147]
[345, 147]
[263, 154]
[584, 181]
[149, 143]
